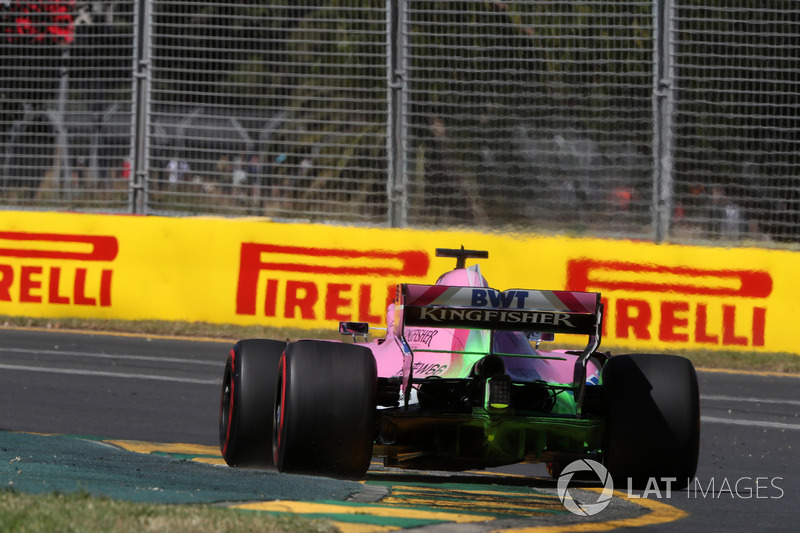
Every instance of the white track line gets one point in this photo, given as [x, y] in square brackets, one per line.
[749, 423]
[749, 400]
[112, 356]
[111, 374]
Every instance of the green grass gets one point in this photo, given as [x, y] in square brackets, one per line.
[192, 330]
[786, 363]
[81, 512]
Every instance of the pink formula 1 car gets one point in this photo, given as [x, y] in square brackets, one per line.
[459, 382]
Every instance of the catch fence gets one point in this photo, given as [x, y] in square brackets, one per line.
[655, 119]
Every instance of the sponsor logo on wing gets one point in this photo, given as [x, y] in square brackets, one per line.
[570, 301]
[512, 299]
[444, 314]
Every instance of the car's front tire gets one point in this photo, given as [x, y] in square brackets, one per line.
[247, 403]
[325, 409]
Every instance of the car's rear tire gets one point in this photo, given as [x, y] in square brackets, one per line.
[325, 409]
[652, 419]
[247, 403]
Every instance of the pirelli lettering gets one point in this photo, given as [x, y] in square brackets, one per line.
[499, 319]
[678, 305]
[56, 268]
[306, 284]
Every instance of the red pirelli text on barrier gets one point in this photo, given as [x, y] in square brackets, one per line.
[53, 268]
[294, 287]
[677, 304]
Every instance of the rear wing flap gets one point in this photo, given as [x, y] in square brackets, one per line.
[437, 306]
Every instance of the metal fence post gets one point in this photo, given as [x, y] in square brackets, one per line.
[396, 170]
[663, 90]
[59, 119]
[141, 107]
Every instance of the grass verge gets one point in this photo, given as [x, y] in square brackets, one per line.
[784, 363]
[82, 512]
[194, 330]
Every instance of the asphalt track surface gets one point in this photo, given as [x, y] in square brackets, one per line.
[121, 390]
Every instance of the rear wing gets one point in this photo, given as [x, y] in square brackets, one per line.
[437, 306]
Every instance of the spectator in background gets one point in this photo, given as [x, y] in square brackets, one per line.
[755, 202]
[224, 170]
[253, 165]
[183, 170]
[253, 175]
[239, 178]
[125, 172]
[622, 196]
[79, 171]
[173, 173]
[448, 196]
[177, 169]
[726, 217]
[697, 208]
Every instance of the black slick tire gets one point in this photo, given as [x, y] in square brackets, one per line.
[653, 420]
[247, 403]
[325, 409]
